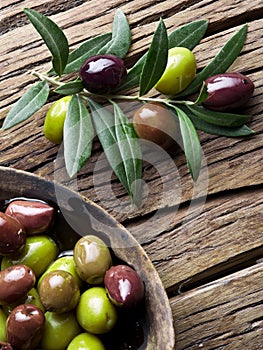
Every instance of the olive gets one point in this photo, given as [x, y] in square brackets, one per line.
[179, 72]
[103, 73]
[65, 263]
[15, 282]
[35, 216]
[95, 313]
[86, 341]
[38, 253]
[5, 346]
[124, 286]
[12, 235]
[228, 91]
[3, 318]
[154, 122]
[59, 330]
[32, 297]
[25, 327]
[59, 291]
[55, 118]
[92, 258]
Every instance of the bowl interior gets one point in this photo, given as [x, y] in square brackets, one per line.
[78, 216]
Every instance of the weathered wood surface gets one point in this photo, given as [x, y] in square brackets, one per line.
[207, 250]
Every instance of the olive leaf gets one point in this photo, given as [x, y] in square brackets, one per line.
[156, 59]
[213, 129]
[120, 43]
[203, 95]
[188, 35]
[35, 97]
[219, 118]
[78, 134]
[104, 123]
[221, 62]
[131, 153]
[191, 143]
[133, 76]
[53, 37]
[70, 88]
[87, 49]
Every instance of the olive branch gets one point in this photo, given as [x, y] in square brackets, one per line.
[84, 110]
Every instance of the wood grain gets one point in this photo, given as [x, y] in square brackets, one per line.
[205, 238]
[225, 314]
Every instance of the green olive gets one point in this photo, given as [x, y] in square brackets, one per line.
[65, 263]
[3, 318]
[179, 72]
[59, 330]
[86, 341]
[95, 313]
[38, 253]
[54, 121]
[92, 258]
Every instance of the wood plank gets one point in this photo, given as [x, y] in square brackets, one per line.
[204, 238]
[225, 314]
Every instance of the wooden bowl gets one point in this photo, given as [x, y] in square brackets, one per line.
[79, 216]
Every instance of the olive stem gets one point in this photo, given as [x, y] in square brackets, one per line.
[50, 80]
[166, 101]
[149, 99]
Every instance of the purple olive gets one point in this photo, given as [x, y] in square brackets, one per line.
[35, 216]
[12, 235]
[103, 73]
[124, 286]
[228, 91]
[15, 282]
[25, 327]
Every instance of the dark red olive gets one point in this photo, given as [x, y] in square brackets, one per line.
[124, 286]
[102, 73]
[228, 91]
[15, 282]
[25, 327]
[35, 216]
[12, 235]
[5, 346]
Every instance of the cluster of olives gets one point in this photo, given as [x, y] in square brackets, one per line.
[55, 301]
[102, 74]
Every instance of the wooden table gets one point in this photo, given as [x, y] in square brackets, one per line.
[208, 251]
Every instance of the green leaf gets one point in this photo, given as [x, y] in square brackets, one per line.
[87, 49]
[120, 43]
[213, 129]
[104, 123]
[221, 62]
[35, 97]
[203, 95]
[156, 59]
[130, 151]
[133, 76]
[188, 35]
[53, 37]
[70, 88]
[219, 118]
[77, 134]
[191, 143]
